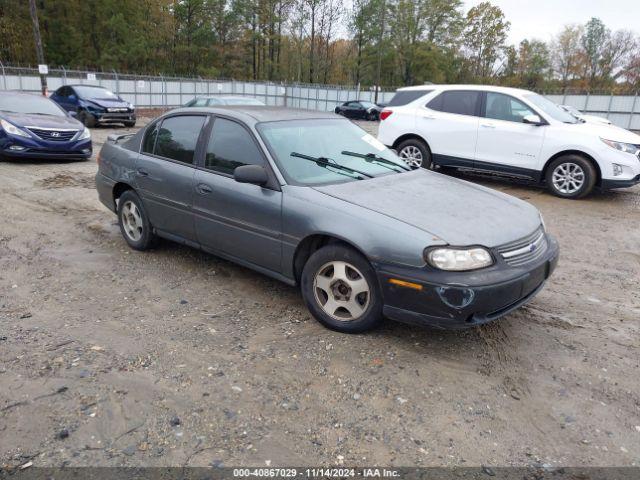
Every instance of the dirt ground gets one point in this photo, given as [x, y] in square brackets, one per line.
[174, 357]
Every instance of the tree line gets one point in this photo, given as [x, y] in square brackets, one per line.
[366, 42]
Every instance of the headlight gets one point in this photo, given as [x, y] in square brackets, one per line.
[623, 147]
[12, 129]
[459, 259]
[94, 108]
[85, 134]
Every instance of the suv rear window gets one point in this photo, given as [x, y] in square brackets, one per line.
[404, 97]
[461, 102]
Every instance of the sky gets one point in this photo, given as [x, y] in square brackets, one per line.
[542, 19]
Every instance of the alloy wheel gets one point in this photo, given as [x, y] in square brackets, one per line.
[568, 178]
[132, 221]
[412, 156]
[341, 291]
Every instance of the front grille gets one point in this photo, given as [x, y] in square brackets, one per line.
[53, 135]
[525, 250]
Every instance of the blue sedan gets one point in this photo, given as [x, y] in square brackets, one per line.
[32, 126]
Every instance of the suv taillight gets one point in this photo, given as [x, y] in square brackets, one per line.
[384, 114]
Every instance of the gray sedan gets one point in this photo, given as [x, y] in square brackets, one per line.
[312, 200]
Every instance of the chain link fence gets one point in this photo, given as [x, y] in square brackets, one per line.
[147, 91]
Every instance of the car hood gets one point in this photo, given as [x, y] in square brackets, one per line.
[458, 212]
[41, 121]
[108, 103]
[608, 132]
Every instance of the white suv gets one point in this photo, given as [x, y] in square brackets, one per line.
[510, 132]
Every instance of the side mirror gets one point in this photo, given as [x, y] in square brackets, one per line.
[532, 120]
[255, 174]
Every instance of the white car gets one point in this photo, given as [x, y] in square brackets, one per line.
[509, 132]
[583, 116]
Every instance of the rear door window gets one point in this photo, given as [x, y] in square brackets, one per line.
[231, 146]
[405, 97]
[460, 102]
[177, 137]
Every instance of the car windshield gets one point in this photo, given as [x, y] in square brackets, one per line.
[94, 92]
[572, 110]
[30, 104]
[327, 141]
[242, 101]
[550, 108]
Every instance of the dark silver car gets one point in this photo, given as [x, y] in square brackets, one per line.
[311, 199]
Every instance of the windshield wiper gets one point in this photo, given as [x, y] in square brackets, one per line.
[372, 157]
[329, 162]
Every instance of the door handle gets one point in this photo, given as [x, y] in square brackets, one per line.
[204, 189]
[142, 173]
[487, 125]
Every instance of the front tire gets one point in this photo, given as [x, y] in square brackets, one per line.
[415, 153]
[340, 289]
[134, 223]
[571, 176]
[87, 119]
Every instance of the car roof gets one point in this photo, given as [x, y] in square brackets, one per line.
[227, 96]
[489, 88]
[253, 114]
[14, 93]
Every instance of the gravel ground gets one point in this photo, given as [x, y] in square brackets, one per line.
[173, 357]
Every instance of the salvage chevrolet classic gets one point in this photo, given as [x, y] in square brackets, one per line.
[311, 199]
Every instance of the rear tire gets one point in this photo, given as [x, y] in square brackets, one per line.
[129, 124]
[134, 223]
[340, 289]
[415, 153]
[571, 176]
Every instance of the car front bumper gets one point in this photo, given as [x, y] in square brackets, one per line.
[114, 117]
[609, 184]
[34, 148]
[465, 299]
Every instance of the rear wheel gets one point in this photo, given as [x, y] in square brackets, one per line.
[134, 223]
[415, 153]
[341, 291]
[372, 116]
[129, 124]
[571, 176]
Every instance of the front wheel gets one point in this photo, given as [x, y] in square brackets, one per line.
[134, 223]
[571, 176]
[340, 288]
[87, 119]
[415, 153]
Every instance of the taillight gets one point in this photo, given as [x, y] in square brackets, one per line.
[384, 114]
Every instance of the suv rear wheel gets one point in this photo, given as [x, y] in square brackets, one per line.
[340, 289]
[415, 153]
[134, 223]
[571, 176]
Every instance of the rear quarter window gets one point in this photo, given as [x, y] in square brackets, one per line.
[406, 97]
[460, 102]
